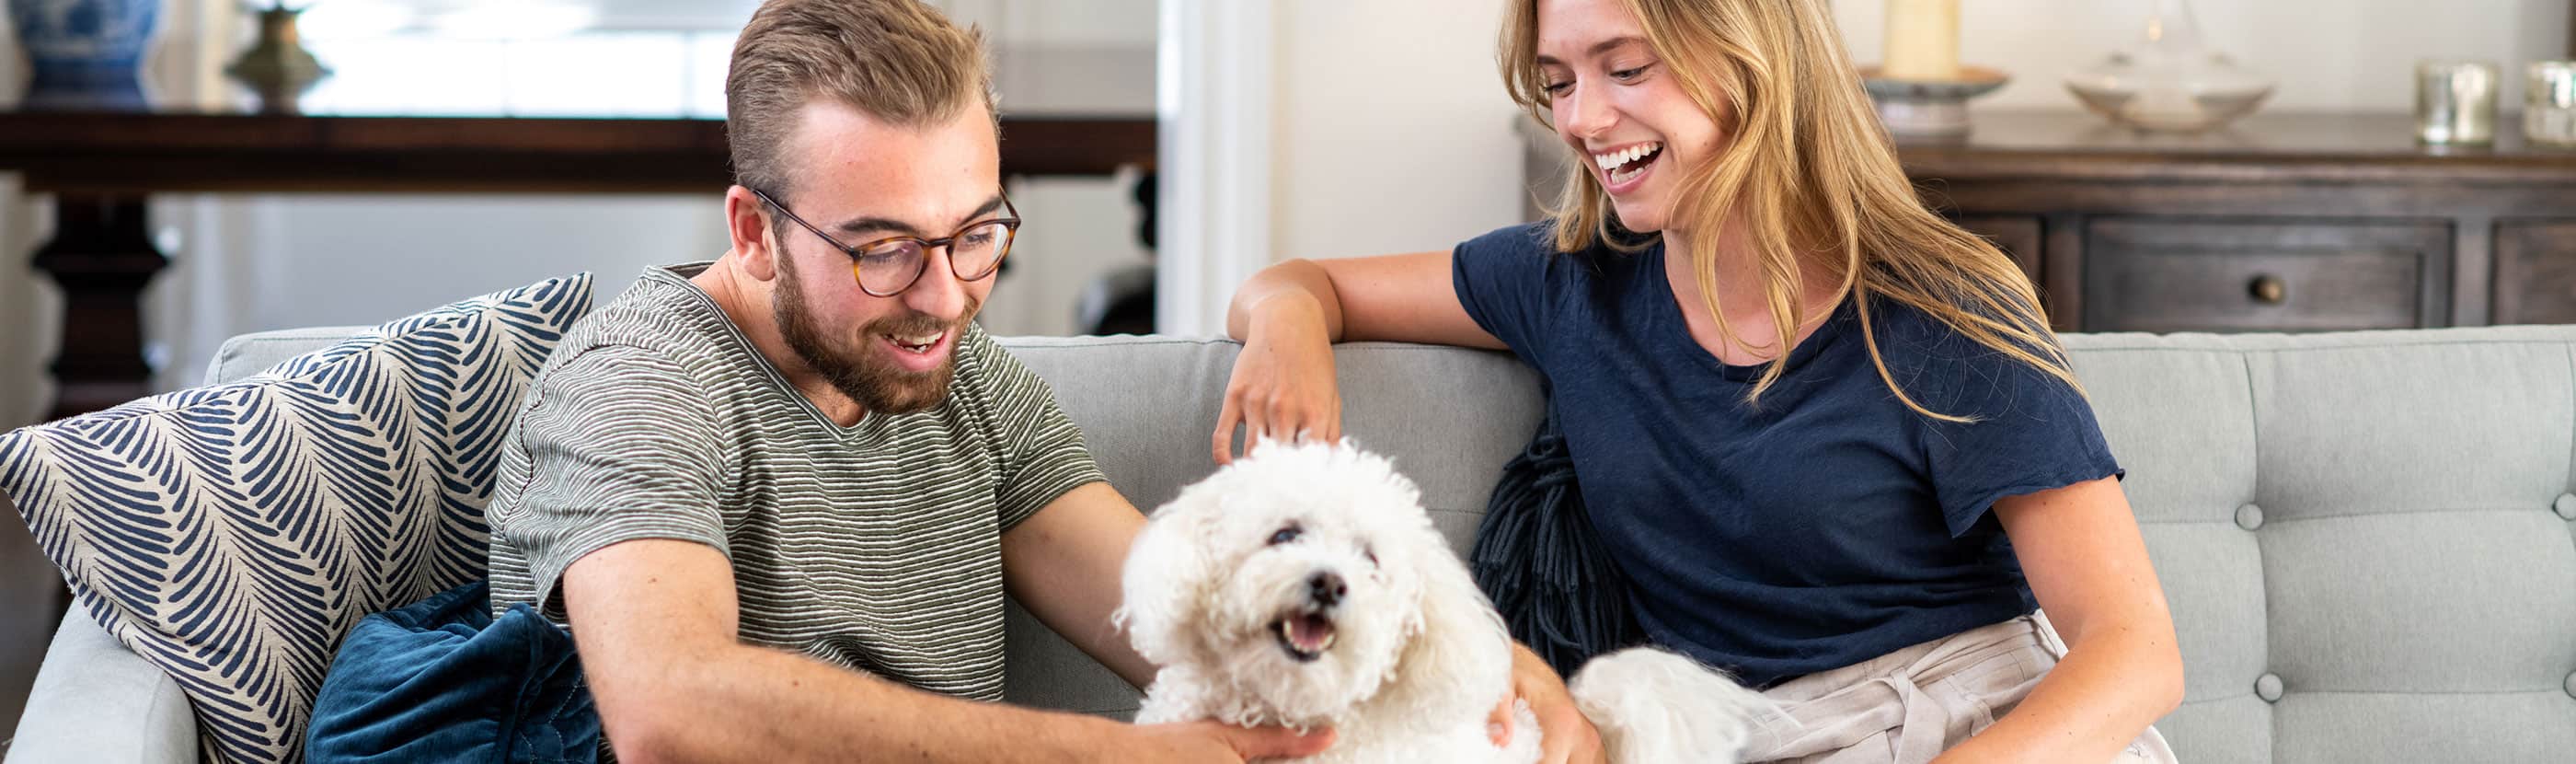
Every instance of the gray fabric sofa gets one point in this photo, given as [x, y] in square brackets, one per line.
[2369, 539]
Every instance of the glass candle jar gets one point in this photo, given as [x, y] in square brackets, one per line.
[2455, 103]
[2549, 104]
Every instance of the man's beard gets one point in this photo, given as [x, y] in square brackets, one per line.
[879, 387]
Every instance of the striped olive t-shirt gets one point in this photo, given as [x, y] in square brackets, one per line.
[876, 547]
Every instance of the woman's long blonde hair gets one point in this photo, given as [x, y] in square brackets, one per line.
[1806, 167]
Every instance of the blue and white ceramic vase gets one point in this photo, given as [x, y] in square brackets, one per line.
[85, 52]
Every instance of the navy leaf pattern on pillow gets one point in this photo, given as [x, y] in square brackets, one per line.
[231, 535]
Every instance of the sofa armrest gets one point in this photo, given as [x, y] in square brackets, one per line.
[95, 701]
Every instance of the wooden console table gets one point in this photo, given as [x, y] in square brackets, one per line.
[101, 166]
[2283, 222]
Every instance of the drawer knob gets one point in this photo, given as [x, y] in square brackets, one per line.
[2269, 289]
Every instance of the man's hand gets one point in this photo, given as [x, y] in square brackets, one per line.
[1196, 742]
[1565, 737]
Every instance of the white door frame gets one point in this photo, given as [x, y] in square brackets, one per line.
[1213, 92]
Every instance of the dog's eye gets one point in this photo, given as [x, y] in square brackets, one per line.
[1286, 534]
[1370, 554]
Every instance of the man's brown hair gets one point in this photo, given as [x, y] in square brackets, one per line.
[896, 60]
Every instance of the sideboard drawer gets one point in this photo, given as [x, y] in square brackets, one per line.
[2198, 274]
[2535, 272]
[2019, 236]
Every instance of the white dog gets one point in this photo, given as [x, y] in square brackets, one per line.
[1304, 586]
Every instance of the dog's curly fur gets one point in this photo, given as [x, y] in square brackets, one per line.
[1233, 586]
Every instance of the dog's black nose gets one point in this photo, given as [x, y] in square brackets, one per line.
[1326, 587]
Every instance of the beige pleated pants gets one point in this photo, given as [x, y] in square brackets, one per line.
[1908, 706]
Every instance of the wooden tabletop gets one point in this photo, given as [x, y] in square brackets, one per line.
[130, 152]
[2285, 147]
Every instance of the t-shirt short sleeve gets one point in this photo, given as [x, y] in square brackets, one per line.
[1039, 450]
[621, 446]
[2031, 431]
[1502, 280]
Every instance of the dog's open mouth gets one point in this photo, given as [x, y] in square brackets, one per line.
[1305, 635]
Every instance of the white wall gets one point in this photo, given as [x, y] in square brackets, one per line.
[2325, 55]
[1083, 56]
[1072, 23]
[1391, 132]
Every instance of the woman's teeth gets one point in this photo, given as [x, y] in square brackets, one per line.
[1624, 164]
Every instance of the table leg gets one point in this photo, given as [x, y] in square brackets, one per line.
[102, 257]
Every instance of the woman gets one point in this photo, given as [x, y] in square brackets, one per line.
[1827, 434]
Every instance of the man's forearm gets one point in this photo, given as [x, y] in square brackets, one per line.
[755, 704]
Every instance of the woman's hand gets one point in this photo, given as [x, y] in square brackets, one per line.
[1282, 387]
[1290, 314]
[1565, 736]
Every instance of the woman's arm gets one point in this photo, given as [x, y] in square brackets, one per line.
[1396, 298]
[1290, 314]
[2086, 562]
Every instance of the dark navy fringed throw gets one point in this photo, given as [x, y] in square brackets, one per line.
[1539, 559]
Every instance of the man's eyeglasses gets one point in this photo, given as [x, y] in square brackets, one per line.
[885, 267]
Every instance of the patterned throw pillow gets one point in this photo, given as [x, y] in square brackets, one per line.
[231, 535]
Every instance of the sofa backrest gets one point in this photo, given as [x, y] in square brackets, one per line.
[2368, 540]
[250, 354]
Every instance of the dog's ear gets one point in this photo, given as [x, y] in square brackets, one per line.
[1451, 602]
[1169, 570]
[1460, 639]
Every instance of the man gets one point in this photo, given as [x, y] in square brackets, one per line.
[777, 498]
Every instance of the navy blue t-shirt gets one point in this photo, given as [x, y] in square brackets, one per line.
[1828, 524]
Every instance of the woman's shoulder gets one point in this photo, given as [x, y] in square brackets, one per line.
[1532, 239]
[1524, 253]
[1905, 332]
[1911, 331]
[1946, 368]
[1531, 249]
